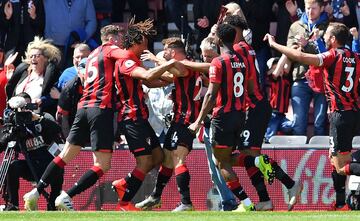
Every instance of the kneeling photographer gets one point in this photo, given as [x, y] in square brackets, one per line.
[36, 136]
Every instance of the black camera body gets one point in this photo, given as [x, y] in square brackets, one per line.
[15, 117]
[15, 122]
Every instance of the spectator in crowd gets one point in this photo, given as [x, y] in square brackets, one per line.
[5, 74]
[2, 32]
[40, 134]
[286, 12]
[232, 8]
[342, 85]
[279, 100]
[65, 16]
[337, 10]
[353, 19]
[37, 74]
[206, 14]
[80, 51]
[95, 109]
[69, 98]
[138, 8]
[258, 16]
[23, 20]
[103, 9]
[355, 44]
[177, 12]
[299, 37]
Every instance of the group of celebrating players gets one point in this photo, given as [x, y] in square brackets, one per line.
[239, 110]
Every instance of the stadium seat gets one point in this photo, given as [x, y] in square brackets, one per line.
[287, 139]
[356, 140]
[319, 140]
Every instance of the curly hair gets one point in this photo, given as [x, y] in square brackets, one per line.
[236, 21]
[136, 32]
[226, 33]
[51, 52]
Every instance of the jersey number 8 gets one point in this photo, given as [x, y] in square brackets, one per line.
[238, 84]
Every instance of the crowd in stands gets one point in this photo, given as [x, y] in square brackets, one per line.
[67, 23]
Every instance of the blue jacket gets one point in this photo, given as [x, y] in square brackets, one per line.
[62, 19]
[323, 19]
[67, 75]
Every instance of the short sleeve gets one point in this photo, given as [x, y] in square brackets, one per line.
[327, 58]
[215, 71]
[127, 66]
[116, 53]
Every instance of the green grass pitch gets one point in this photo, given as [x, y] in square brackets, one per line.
[184, 216]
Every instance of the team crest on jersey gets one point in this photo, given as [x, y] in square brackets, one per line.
[129, 63]
[38, 128]
[252, 52]
[212, 71]
[148, 140]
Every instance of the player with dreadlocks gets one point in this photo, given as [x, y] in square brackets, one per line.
[133, 113]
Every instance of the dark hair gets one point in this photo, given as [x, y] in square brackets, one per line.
[23, 95]
[109, 30]
[237, 21]
[340, 31]
[226, 33]
[136, 32]
[174, 42]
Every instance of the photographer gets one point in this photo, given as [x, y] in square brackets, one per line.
[36, 134]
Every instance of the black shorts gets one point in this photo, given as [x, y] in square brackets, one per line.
[225, 129]
[178, 135]
[140, 136]
[98, 123]
[343, 127]
[255, 126]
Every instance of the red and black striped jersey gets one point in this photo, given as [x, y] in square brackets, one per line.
[341, 75]
[186, 98]
[248, 52]
[230, 70]
[99, 77]
[129, 90]
[279, 93]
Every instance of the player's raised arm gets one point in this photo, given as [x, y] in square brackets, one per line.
[293, 54]
[153, 73]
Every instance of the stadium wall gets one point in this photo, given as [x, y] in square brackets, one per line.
[307, 163]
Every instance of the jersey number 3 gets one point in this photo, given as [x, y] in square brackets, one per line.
[349, 81]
